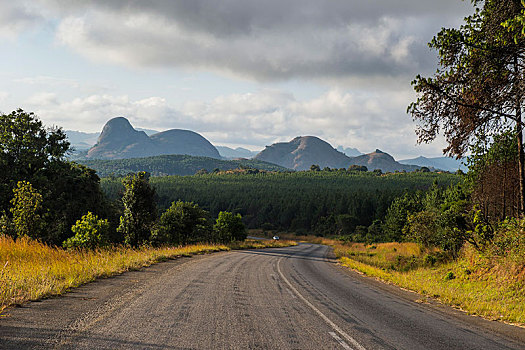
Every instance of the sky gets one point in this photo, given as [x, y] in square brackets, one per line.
[240, 72]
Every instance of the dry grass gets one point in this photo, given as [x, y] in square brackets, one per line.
[30, 270]
[479, 286]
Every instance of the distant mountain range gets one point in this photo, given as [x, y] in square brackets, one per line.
[301, 152]
[233, 153]
[438, 163]
[119, 140]
[351, 152]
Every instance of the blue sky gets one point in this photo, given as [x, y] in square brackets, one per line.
[240, 72]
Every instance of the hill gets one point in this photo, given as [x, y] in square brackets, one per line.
[81, 140]
[442, 163]
[172, 165]
[349, 151]
[232, 153]
[302, 152]
[176, 141]
[383, 161]
[119, 140]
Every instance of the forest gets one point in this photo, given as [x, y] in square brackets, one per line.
[175, 164]
[321, 202]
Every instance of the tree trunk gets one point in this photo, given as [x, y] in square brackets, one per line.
[521, 154]
[521, 160]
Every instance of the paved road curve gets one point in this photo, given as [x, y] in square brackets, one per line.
[288, 298]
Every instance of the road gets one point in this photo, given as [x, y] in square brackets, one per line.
[286, 298]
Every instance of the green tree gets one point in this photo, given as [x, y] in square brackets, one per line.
[396, 217]
[30, 152]
[27, 205]
[315, 167]
[90, 232]
[183, 223]
[140, 210]
[26, 149]
[355, 167]
[229, 227]
[479, 87]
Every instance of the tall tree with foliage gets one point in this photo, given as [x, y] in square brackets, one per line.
[31, 152]
[183, 223]
[26, 210]
[27, 148]
[229, 227]
[140, 209]
[478, 88]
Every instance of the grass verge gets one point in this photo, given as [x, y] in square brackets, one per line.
[474, 284]
[493, 288]
[30, 270]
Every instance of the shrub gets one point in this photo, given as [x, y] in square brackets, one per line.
[90, 232]
[182, 223]
[229, 227]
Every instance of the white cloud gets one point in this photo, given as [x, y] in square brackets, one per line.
[271, 40]
[17, 16]
[254, 119]
[48, 81]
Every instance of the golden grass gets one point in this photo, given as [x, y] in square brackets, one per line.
[494, 290]
[30, 270]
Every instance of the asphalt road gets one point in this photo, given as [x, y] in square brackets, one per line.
[287, 298]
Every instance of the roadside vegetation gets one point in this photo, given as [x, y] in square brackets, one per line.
[31, 270]
[58, 230]
[480, 283]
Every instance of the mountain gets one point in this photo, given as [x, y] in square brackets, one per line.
[232, 153]
[442, 163]
[119, 140]
[176, 141]
[302, 152]
[351, 152]
[171, 165]
[383, 161]
[81, 140]
[148, 132]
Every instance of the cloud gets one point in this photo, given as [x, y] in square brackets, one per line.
[17, 16]
[270, 40]
[48, 81]
[255, 119]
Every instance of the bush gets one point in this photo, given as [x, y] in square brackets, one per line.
[183, 223]
[229, 227]
[90, 232]
[509, 241]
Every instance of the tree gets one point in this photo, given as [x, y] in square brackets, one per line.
[396, 217]
[478, 89]
[27, 205]
[355, 167]
[90, 232]
[140, 210]
[229, 227]
[30, 152]
[183, 223]
[26, 149]
[315, 167]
